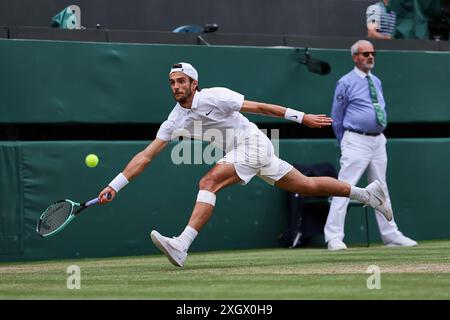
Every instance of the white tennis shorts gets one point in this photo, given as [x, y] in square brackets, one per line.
[255, 155]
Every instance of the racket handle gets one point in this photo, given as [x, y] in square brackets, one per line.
[95, 200]
[91, 202]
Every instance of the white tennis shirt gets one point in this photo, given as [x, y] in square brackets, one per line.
[214, 116]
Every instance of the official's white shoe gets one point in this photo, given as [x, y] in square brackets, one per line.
[377, 199]
[402, 241]
[170, 247]
[336, 244]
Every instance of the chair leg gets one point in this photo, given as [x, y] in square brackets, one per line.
[367, 227]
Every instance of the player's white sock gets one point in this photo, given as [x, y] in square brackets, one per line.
[359, 194]
[187, 236]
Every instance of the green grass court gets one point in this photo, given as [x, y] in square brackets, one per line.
[422, 272]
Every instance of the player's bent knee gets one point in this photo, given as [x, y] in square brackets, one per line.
[206, 197]
[206, 183]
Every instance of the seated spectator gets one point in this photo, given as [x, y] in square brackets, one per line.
[380, 21]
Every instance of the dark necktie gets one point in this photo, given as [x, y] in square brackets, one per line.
[381, 117]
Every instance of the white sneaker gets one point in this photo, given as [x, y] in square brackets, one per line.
[401, 241]
[377, 199]
[336, 244]
[170, 247]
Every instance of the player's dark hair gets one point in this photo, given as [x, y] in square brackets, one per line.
[198, 87]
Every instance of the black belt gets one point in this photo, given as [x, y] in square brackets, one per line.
[364, 133]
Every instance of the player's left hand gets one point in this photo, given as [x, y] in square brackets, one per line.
[316, 120]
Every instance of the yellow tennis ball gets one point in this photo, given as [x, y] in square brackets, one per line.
[91, 160]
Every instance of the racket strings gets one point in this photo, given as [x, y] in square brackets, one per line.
[55, 216]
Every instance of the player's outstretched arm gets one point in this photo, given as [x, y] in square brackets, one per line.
[135, 167]
[309, 120]
[316, 120]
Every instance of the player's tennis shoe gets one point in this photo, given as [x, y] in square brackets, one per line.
[401, 241]
[170, 247]
[336, 245]
[377, 199]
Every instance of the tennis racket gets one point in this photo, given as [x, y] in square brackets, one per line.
[60, 214]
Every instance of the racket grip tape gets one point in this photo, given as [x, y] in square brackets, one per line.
[95, 200]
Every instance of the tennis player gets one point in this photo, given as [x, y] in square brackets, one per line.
[248, 152]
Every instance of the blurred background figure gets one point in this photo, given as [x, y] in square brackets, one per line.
[380, 21]
[421, 19]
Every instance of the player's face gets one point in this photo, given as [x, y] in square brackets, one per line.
[365, 58]
[182, 86]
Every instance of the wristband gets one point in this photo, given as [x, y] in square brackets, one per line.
[294, 115]
[118, 182]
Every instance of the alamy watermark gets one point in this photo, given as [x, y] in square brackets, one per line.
[374, 281]
[74, 278]
[251, 147]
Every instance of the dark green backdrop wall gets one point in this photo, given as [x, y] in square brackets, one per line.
[34, 174]
[73, 82]
[53, 82]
